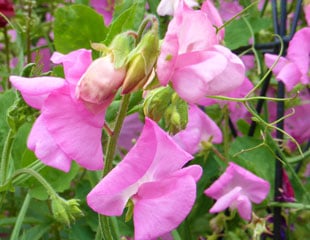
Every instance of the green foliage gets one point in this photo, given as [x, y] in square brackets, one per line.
[76, 26]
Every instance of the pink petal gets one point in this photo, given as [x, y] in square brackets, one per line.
[298, 52]
[150, 158]
[225, 200]
[35, 90]
[285, 70]
[75, 64]
[76, 130]
[214, 17]
[105, 8]
[161, 206]
[199, 128]
[244, 207]
[42, 143]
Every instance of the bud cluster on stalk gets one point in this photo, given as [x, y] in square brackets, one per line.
[122, 65]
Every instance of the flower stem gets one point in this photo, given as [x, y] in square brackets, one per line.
[5, 158]
[7, 55]
[106, 230]
[111, 146]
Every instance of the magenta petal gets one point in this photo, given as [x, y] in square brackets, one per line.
[161, 206]
[35, 90]
[244, 207]
[226, 200]
[113, 189]
[41, 142]
[75, 64]
[76, 131]
[298, 52]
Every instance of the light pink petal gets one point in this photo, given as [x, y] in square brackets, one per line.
[298, 52]
[35, 90]
[42, 143]
[225, 200]
[228, 9]
[167, 59]
[75, 64]
[192, 31]
[244, 206]
[285, 70]
[191, 81]
[214, 17]
[255, 187]
[161, 206]
[120, 184]
[200, 127]
[233, 75]
[76, 130]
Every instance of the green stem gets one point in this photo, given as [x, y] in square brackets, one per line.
[112, 141]
[106, 230]
[226, 131]
[299, 158]
[20, 218]
[38, 177]
[5, 158]
[28, 37]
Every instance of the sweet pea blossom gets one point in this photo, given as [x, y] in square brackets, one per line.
[195, 64]
[200, 127]
[294, 68]
[151, 175]
[168, 7]
[105, 8]
[237, 188]
[66, 129]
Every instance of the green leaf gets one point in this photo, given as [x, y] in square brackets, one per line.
[128, 16]
[36, 232]
[76, 26]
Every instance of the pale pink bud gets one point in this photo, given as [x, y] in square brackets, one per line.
[100, 81]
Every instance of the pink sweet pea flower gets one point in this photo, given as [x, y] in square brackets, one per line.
[105, 8]
[196, 65]
[151, 175]
[237, 188]
[229, 9]
[293, 68]
[200, 127]
[168, 7]
[65, 129]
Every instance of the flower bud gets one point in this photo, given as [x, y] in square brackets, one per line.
[99, 83]
[141, 62]
[65, 211]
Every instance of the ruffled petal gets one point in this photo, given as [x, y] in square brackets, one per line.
[46, 149]
[76, 130]
[35, 90]
[75, 64]
[226, 200]
[161, 206]
[244, 207]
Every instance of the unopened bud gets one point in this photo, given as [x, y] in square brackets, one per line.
[156, 102]
[99, 83]
[141, 62]
[65, 211]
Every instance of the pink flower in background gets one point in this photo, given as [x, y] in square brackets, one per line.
[196, 65]
[228, 9]
[65, 130]
[200, 127]
[44, 55]
[307, 12]
[293, 68]
[168, 7]
[105, 8]
[130, 132]
[151, 175]
[236, 188]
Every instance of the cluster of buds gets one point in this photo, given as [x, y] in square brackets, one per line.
[121, 65]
